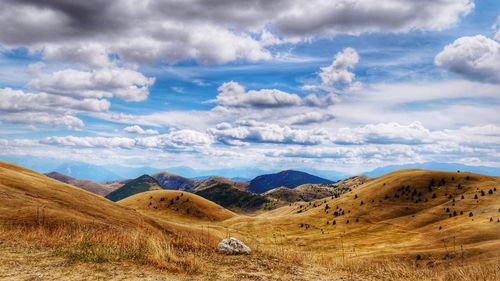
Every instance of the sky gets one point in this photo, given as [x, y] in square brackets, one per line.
[347, 85]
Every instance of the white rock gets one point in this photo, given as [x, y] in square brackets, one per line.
[233, 246]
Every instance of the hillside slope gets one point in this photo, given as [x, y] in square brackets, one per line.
[288, 178]
[171, 181]
[141, 184]
[29, 197]
[200, 184]
[232, 198]
[176, 205]
[407, 213]
[92, 186]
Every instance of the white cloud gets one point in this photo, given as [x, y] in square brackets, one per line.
[135, 129]
[259, 132]
[17, 106]
[125, 84]
[339, 70]
[44, 118]
[232, 94]
[384, 133]
[311, 117]
[474, 57]
[19, 101]
[185, 140]
[338, 76]
[87, 53]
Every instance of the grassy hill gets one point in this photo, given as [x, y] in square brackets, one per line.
[141, 184]
[202, 183]
[287, 178]
[81, 226]
[92, 186]
[420, 214]
[176, 205]
[172, 181]
[231, 197]
[310, 192]
[305, 192]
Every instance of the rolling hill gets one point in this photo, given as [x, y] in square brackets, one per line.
[231, 197]
[288, 178]
[94, 187]
[29, 197]
[305, 192]
[176, 205]
[407, 213]
[310, 192]
[141, 184]
[202, 183]
[171, 181]
[408, 224]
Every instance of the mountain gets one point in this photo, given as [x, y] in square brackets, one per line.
[172, 181]
[288, 178]
[130, 172]
[232, 198]
[436, 166]
[245, 172]
[141, 184]
[310, 192]
[91, 186]
[86, 171]
[201, 183]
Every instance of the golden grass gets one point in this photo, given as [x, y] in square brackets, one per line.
[176, 206]
[102, 243]
[383, 245]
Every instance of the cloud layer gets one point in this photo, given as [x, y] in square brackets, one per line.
[206, 31]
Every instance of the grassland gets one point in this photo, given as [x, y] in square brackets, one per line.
[406, 225]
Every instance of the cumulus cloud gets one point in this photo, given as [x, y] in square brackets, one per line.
[135, 129]
[185, 140]
[259, 132]
[87, 53]
[312, 117]
[41, 108]
[384, 133]
[339, 70]
[19, 101]
[125, 84]
[474, 57]
[232, 94]
[206, 31]
[338, 76]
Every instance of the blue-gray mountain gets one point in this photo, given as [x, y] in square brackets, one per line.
[288, 178]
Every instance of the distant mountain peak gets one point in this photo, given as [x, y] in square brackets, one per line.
[286, 178]
[138, 185]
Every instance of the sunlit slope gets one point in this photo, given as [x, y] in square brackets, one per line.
[176, 205]
[27, 197]
[404, 212]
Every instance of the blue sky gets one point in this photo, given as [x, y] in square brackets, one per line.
[341, 85]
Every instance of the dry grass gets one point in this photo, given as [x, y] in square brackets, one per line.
[101, 243]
